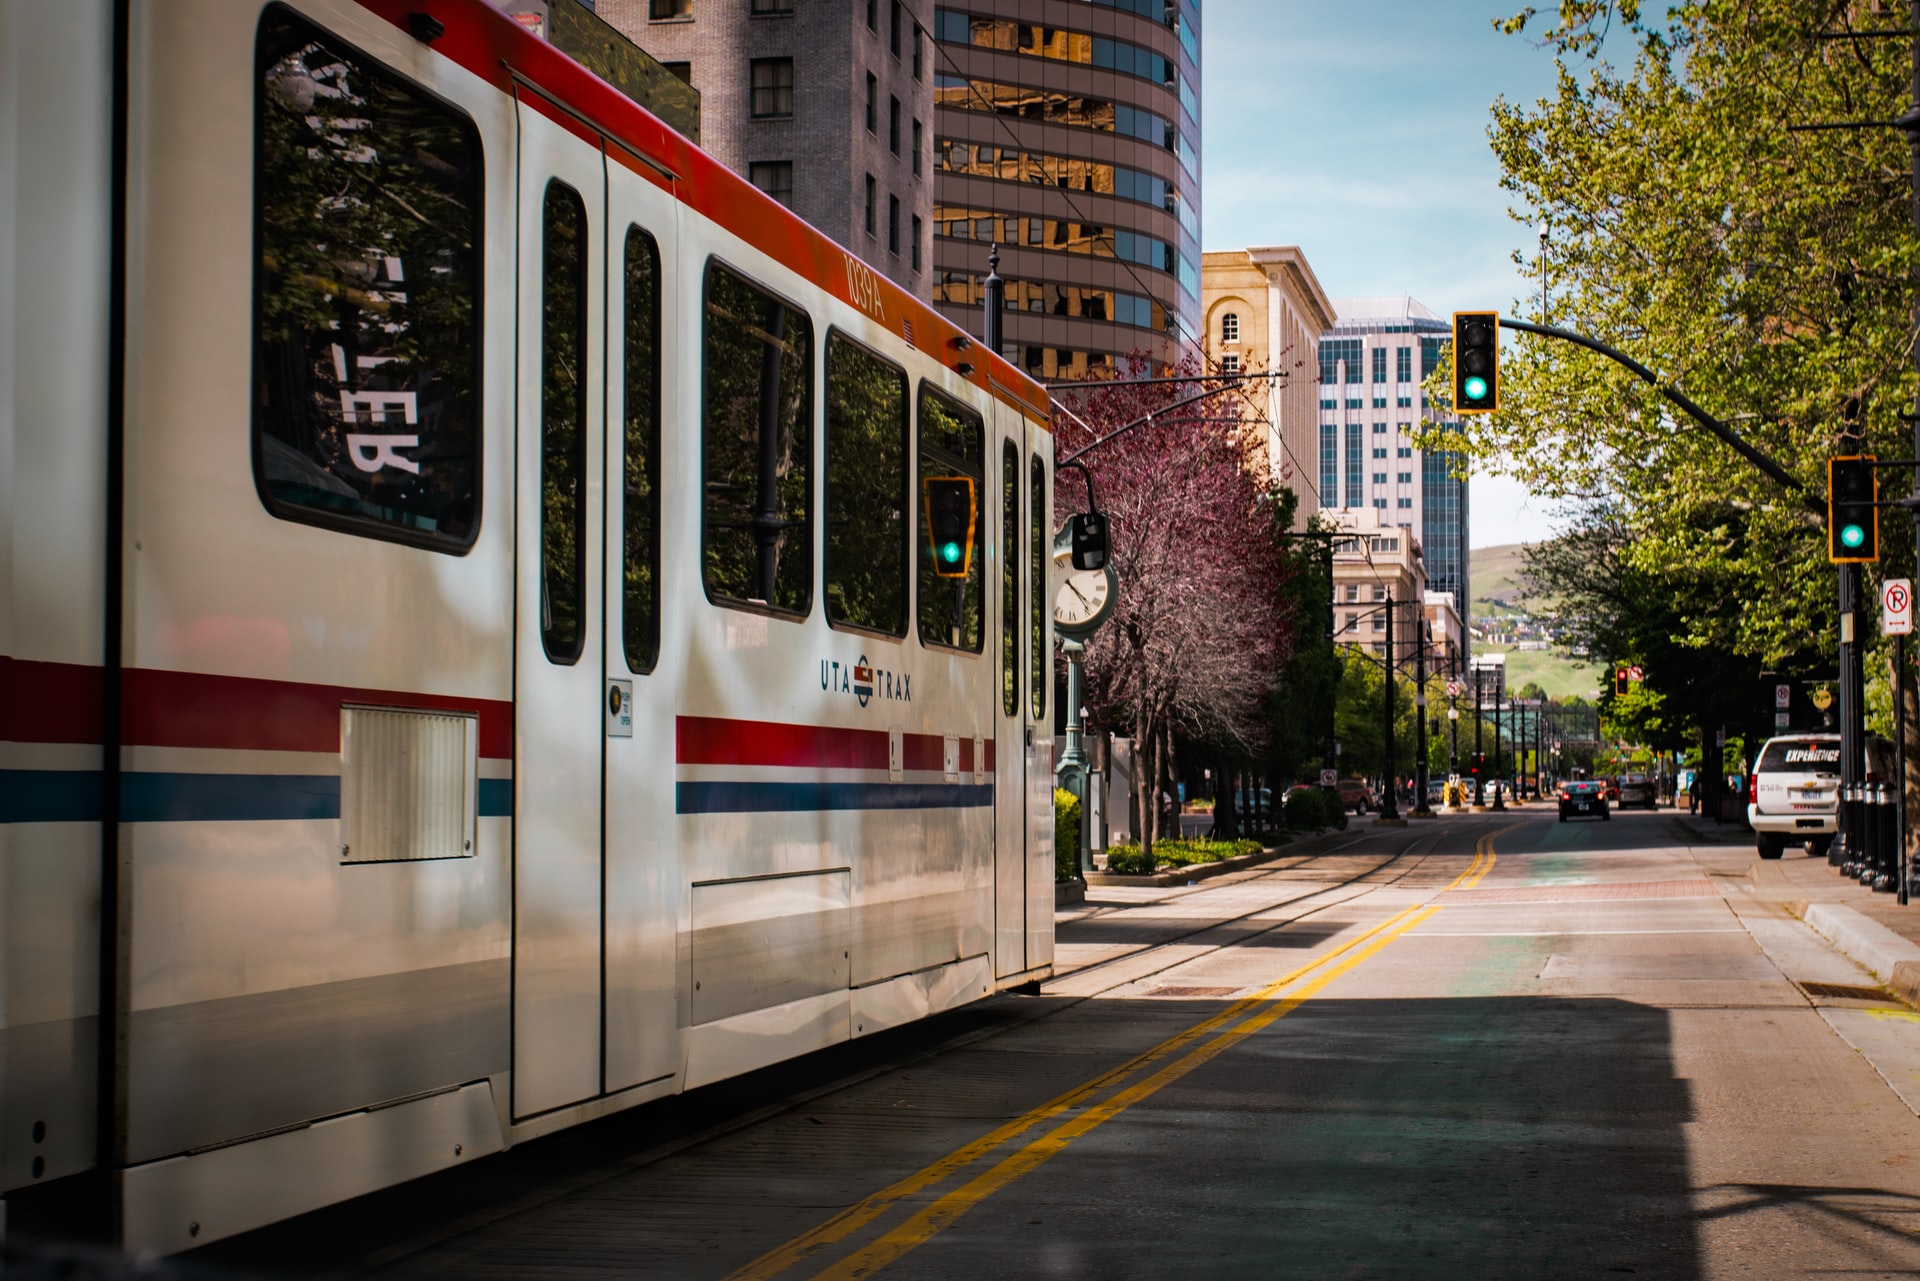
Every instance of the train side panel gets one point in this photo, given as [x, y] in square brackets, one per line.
[56, 98]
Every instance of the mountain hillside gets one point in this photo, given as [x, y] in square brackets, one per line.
[1507, 616]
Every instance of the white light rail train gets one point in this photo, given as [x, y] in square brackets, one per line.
[471, 654]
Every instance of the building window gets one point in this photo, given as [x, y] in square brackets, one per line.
[1379, 451]
[1379, 429]
[1353, 597]
[366, 409]
[1379, 364]
[916, 242]
[1379, 478]
[1406, 477]
[893, 120]
[872, 196]
[1379, 402]
[1403, 402]
[760, 7]
[893, 224]
[918, 142]
[1353, 620]
[1405, 503]
[661, 9]
[681, 71]
[1230, 327]
[873, 101]
[1403, 364]
[893, 29]
[1406, 451]
[1229, 364]
[1380, 503]
[772, 87]
[916, 51]
[873, 23]
[775, 177]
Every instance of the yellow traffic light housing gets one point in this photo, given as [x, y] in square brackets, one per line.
[951, 521]
[1853, 520]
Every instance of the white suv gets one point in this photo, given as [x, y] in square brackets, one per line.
[1796, 788]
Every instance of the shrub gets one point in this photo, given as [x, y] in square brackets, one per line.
[1127, 860]
[1066, 835]
[1315, 807]
[1181, 852]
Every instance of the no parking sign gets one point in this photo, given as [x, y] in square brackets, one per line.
[1896, 607]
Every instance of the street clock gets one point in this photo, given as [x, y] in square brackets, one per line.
[1084, 600]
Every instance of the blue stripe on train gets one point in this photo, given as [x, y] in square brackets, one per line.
[770, 798]
[73, 796]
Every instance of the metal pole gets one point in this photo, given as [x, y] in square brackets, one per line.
[1420, 807]
[1389, 811]
[1901, 871]
[994, 299]
[1499, 801]
[1479, 781]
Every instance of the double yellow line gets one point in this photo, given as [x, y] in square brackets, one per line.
[1193, 1047]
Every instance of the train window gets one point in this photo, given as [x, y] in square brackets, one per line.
[1010, 579]
[757, 447]
[1039, 677]
[640, 504]
[866, 498]
[952, 443]
[366, 313]
[563, 411]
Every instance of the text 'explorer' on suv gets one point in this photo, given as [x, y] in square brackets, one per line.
[1796, 789]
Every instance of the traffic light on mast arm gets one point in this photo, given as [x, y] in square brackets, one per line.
[1620, 682]
[1853, 522]
[950, 523]
[1476, 362]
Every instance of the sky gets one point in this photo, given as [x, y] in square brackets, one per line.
[1358, 131]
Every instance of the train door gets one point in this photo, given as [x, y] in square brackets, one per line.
[1013, 719]
[558, 626]
[642, 870]
[1039, 763]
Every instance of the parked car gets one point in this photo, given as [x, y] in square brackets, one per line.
[1586, 797]
[1436, 791]
[1636, 789]
[1357, 795]
[1796, 790]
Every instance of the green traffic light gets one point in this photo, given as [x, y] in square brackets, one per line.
[950, 553]
[1475, 387]
[1852, 535]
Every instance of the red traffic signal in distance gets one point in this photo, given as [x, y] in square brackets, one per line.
[1620, 685]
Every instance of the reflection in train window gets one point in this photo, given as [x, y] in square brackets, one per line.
[640, 501]
[952, 443]
[366, 313]
[563, 414]
[1040, 545]
[1010, 579]
[757, 447]
[866, 497]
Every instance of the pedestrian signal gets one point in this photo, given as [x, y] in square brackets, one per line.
[950, 523]
[1476, 362]
[1853, 522]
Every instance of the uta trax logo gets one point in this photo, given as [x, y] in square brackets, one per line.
[865, 681]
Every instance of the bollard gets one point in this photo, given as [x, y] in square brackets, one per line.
[1886, 878]
[1867, 825]
[1844, 840]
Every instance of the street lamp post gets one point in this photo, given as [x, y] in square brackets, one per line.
[1479, 753]
[1420, 807]
[1389, 810]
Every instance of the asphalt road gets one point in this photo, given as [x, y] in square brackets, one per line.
[1479, 1046]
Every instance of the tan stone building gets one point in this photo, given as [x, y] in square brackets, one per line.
[1264, 312]
[1374, 563]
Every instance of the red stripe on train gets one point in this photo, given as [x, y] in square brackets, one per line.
[712, 740]
[60, 703]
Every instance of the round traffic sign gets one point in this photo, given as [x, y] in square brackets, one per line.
[1897, 599]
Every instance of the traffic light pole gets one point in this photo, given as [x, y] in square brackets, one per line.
[1421, 809]
[1389, 809]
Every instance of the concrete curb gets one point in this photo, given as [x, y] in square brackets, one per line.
[1894, 960]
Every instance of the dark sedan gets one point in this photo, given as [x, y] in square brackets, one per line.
[1587, 798]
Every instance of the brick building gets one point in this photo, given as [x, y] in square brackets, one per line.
[826, 105]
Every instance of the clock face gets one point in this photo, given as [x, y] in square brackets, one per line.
[1084, 600]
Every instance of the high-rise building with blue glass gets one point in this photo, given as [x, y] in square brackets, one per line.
[1372, 363]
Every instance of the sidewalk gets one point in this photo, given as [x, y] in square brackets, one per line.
[1871, 928]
